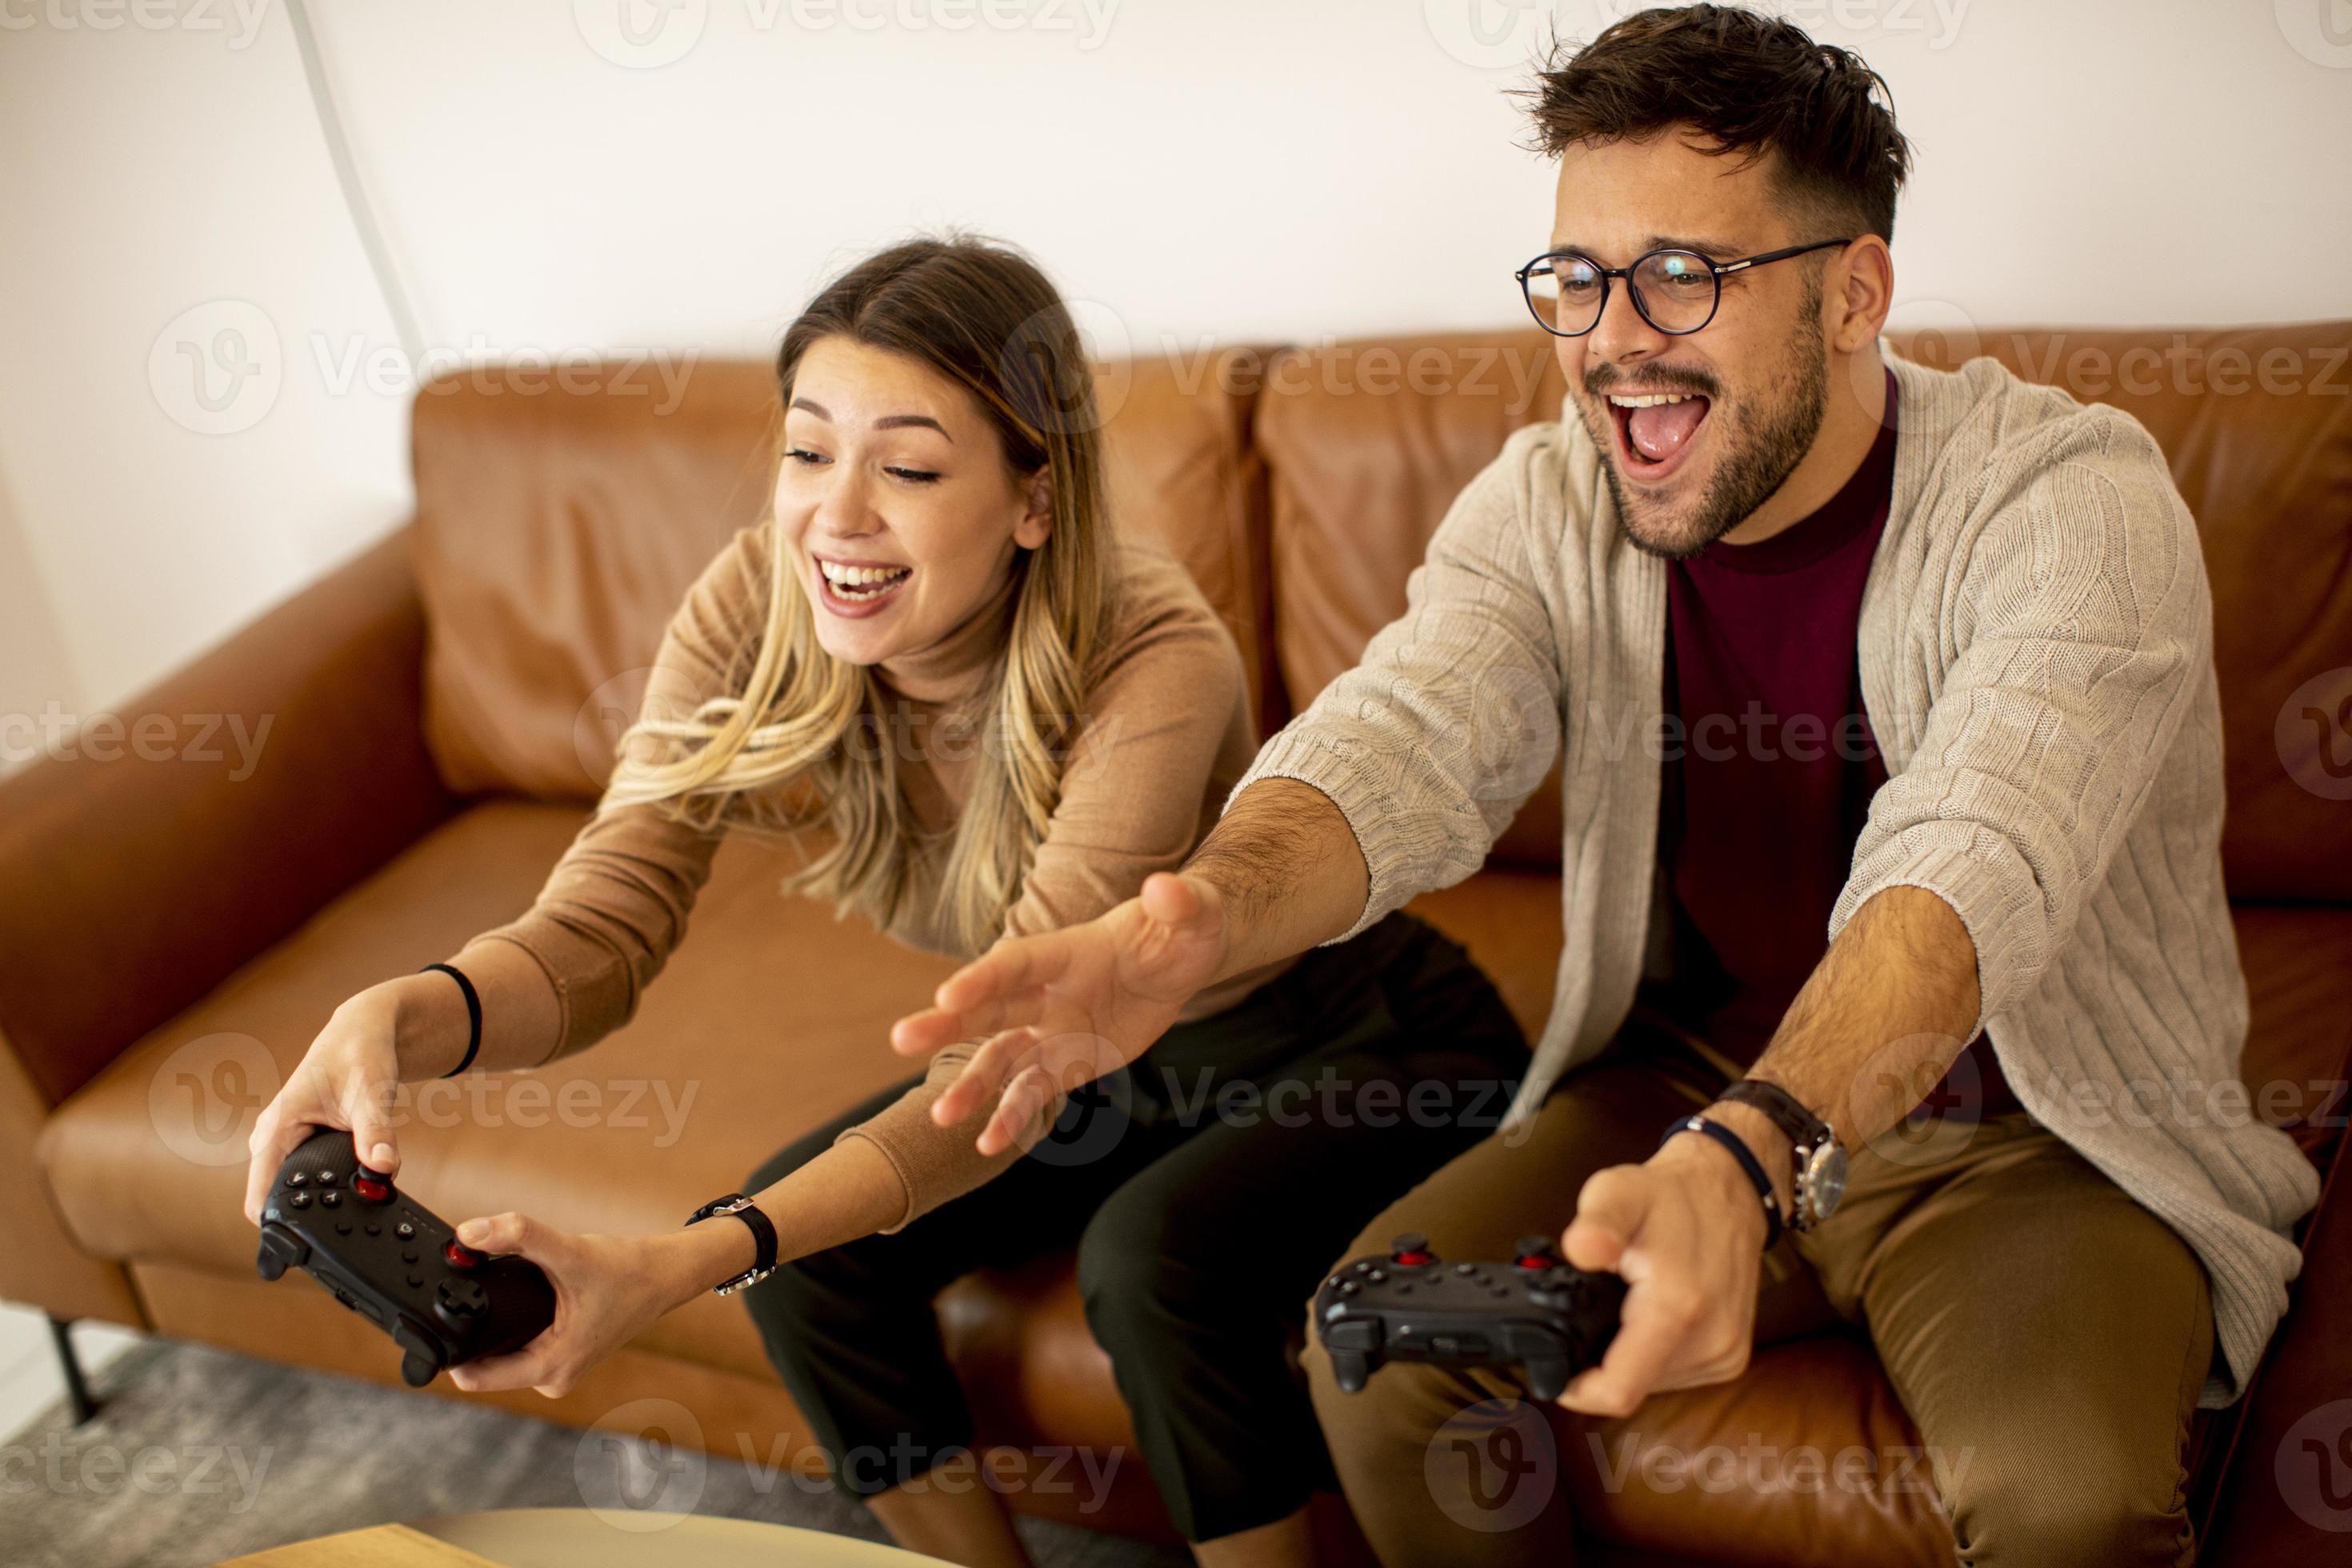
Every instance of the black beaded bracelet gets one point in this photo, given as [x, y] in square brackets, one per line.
[1748, 1163]
[473, 1015]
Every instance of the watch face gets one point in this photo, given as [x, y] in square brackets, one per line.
[1824, 1181]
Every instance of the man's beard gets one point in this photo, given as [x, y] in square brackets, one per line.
[1754, 464]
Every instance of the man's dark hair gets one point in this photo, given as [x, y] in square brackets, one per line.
[1746, 84]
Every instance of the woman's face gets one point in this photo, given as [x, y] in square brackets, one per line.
[896, 501]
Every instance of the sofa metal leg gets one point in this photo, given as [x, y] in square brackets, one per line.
[69, 1362]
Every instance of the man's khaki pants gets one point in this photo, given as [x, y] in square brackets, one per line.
[2048, 1336]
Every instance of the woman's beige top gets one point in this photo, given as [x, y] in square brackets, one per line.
[1149, 765]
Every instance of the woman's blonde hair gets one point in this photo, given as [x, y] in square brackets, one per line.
[805, 729]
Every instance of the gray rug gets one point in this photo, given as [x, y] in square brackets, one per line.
[199, 1455]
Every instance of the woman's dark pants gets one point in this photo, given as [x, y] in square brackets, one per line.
[1205, 1187]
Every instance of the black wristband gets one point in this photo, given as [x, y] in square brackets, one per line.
[763, 1238]
[1748, 1163]
[473, 1015]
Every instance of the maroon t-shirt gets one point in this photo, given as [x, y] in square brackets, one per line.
[1771, 766]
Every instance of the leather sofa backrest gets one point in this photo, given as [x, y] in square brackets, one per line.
[562, 519]
[1366, 443]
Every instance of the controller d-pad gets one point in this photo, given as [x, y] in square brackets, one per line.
[462, 1297]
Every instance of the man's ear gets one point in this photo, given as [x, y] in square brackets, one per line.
[1859, 308]
[1036, 524]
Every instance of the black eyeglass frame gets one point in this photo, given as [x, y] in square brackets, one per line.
[1718, 269]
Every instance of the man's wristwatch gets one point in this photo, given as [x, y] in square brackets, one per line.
[763, 1235]
[1820, 1178]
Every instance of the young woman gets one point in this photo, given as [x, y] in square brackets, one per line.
[984, 716]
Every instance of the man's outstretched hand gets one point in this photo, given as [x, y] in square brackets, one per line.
[1062, 1008]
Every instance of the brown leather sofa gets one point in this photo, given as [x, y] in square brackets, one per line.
[172, 933]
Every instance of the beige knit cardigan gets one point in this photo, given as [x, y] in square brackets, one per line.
[2036, 659]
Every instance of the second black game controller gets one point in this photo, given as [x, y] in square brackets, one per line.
[1533, 1312]
[395, 1263]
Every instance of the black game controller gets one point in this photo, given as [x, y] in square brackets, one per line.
[395, 1263]
[1534, 1312]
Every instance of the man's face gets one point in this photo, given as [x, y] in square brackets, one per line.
[1753, 382]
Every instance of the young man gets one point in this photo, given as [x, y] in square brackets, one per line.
[1940, 813]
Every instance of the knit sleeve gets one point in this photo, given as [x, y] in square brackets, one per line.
[1136, 788]
[1431, 744]
[615, 905]
[2074, 646]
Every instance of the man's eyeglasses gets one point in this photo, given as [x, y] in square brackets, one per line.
[1675, 291]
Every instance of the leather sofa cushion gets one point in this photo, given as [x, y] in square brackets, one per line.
[1367, 443]
[1366, 446]
[769, 1020]
[558, 528]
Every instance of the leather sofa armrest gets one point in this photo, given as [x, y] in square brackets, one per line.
[2284, 1491]
[142, 861]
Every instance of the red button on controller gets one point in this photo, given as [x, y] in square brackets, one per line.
[373, 1189]
[1410, 1250]
[460, 1255]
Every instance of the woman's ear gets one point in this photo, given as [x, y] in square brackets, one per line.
[1036, 524]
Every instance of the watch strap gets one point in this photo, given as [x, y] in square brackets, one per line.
[1748, 1163]
[763, 1238]
[1788, 1113]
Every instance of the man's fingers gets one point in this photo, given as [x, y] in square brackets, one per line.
[1658, 1319]
[1665, 1304]
[984, 1076]
[1025, 1100]
[1171, 900]
[1007, 969]
[934, 1029]
[1609, 1215]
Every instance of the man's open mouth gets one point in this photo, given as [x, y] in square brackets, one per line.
[1655, 430]
[861, 584]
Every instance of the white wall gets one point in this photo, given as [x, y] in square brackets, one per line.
[1202, 170]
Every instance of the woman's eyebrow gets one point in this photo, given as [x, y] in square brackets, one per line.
[888, 422]
[896, 421]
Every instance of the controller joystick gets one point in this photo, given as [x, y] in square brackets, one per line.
[1410, 1250]
[442, 1303]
